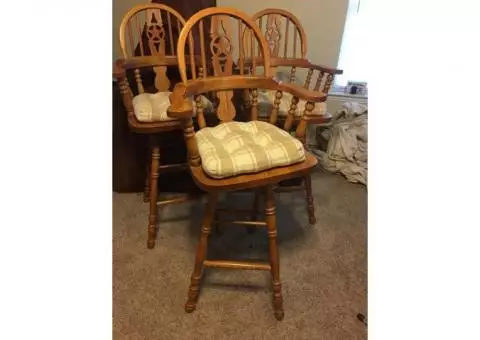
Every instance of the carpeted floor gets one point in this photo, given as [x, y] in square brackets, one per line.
[323, 269]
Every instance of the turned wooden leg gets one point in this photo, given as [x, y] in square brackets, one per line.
[152, 217]
[201, 253]
[146, 189]
[310, 208]
[255, 208]
[273, 252]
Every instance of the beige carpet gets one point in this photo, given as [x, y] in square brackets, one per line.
[323, 269]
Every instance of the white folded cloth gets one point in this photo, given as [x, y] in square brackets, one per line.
[347, 150]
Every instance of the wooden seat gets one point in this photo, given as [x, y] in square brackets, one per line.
[249, 181]
[223, 23]
[287, 46]
[148, 37]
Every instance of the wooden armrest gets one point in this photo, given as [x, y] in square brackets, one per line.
[180, 105]
[292, 62]
[153, 61]
[322, 68]
[199, 86]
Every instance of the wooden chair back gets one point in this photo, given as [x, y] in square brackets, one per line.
[284, 33]
[287, 43]
[148, 38]
[224, 23]
[220, 30]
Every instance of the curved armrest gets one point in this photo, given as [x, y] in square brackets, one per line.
[154, 61]
[304, 63]
[292, 62]
[181, 107]
[203, 85]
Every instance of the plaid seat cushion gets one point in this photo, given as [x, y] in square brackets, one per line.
[235, 148]
[267, 97]
[152, 107]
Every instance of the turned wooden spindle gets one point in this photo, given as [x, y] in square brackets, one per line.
[201, 253]
[200, 72]
[273, 252]
[328, 83]
[291, 114]
[152, 217]
[138, 79]
[200, 115]
[199, 105]
[254, 107]
[146, 188]
[308, 79]
[203, 69]
[309, 193]
[301, 134]
[192, 148]
[126, 95]
[319, 80]
[301, 130]
[276, 107]
[292, 75]
[129, 88]
[247, 99]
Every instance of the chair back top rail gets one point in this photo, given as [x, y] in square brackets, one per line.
[150, 29]
[223, 39]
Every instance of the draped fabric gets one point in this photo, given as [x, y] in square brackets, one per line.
[347, 150]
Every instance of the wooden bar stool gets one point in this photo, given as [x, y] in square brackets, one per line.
[234, 156]
[148, 37]
[287, 45]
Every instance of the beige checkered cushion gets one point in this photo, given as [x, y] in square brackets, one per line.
[235, 148]
[152, 107]
[267, 97]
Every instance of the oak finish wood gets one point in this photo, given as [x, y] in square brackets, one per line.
[221, 81]
[277, 34]
[130, 148]
[237, 265]
[146, 29]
